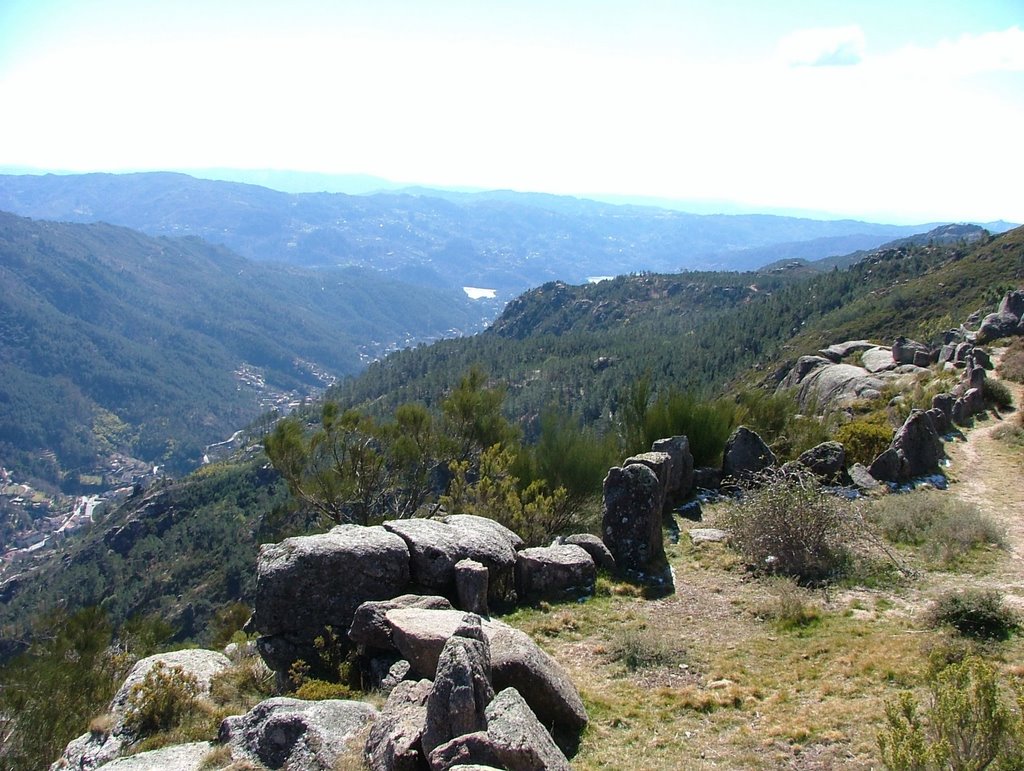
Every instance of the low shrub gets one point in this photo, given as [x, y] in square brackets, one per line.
[968, 723]
[1011, 367]
[319, 690]
[945, 528]
[789, 526]
[997, 393]
[164, 698]
[707, 424]
[976, 613]
[1011, 433]
[242, 686]
[864, 439]
[790, 607]
[643, 649]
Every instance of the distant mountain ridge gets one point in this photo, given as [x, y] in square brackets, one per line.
[498, 239]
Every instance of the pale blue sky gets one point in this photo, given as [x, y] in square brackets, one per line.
[899, 111]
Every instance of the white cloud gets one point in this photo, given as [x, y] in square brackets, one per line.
[823, 47]
[997, 51]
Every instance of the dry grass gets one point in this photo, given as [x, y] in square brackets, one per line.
[721, 681]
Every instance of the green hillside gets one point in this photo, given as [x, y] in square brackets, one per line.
[580, 348]
[184, 548]
[115, 341]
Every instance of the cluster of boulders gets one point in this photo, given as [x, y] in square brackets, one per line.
[1006, 321]
[307, 584]
[916, 449]
[477, 700]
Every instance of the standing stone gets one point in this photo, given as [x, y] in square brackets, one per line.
[940, 420]
[919, 446]
[471, 586]
[974, 401]
[515, 740]
[886, 467]
[827, 461]
[661, 464]
[922, 359]
[945, 403]
[631, 525]
[975, 377]
[681, 479]
[462, 687]
[915, 451]
[746, 454]
[959, 414]
[982, 359]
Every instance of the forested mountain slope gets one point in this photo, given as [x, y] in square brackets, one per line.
[580, 348]
[501, 240]
[112, 340]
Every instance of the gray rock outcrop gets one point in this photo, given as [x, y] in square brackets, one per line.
[554, 573]
[179, 757]
[904, 350]
[514, 739]
[292, 733]
[370, 630]
[680, 481]
[839, 351]
[395, 742]
[996, 325]
[516, 661]
[92, 750]
[595, 547]
[816, 380]
[827, 461]
[436, 546]
[746, 454]
[306, 583]
[631, 523]
[462, 687]
[862, 477]
[877, 359]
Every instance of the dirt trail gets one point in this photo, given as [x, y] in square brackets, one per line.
[990, 474]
